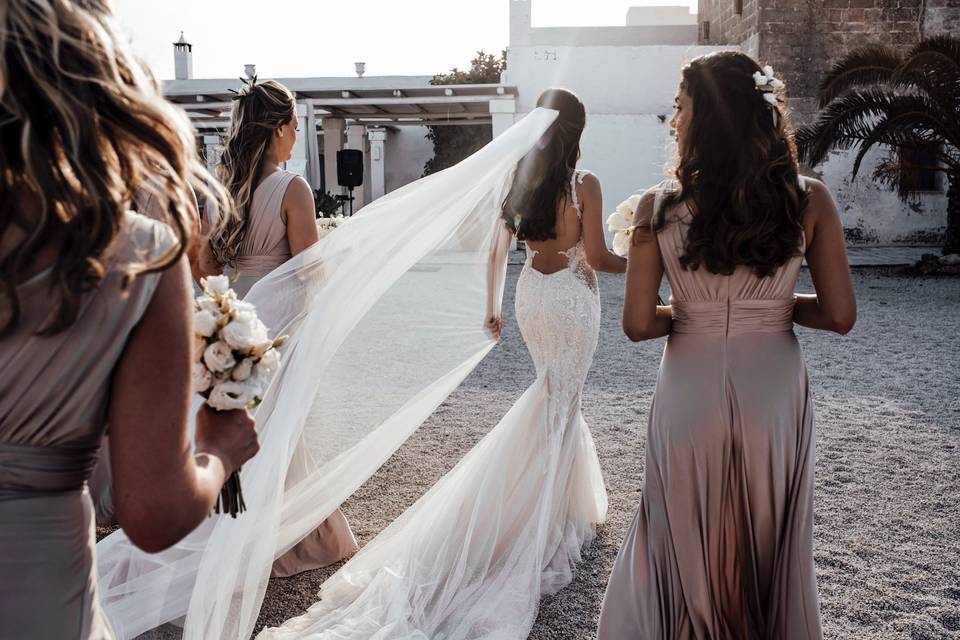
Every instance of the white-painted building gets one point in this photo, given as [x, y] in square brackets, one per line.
[626, 76]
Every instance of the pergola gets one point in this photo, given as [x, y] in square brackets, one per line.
[351, 113]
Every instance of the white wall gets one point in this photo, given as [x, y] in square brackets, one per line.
[660, 16]
[628, 93]
[406, 152]
[609, 80]
[873, 213]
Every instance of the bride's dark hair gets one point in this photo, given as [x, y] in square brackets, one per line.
[737, 171]
[543, 176]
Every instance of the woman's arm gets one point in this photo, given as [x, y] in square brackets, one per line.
[499, 249]
[300, 216]
[834, 305]
[162, 490]
[643, 318]
[594, 242]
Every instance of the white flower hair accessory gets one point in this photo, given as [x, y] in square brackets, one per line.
[768, 84]
[246, 88]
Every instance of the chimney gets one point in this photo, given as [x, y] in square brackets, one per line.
[182, 59]
[360, 68]
[521, 22]
[250, 70]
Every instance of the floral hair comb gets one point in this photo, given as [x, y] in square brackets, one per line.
[768, 84]
[246, 88]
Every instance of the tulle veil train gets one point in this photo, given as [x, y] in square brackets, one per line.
[385, 318]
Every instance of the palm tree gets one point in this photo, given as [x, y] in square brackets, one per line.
[910, 103]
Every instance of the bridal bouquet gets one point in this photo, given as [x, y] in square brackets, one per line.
[621, 224]
[233, 361]
[326, 225]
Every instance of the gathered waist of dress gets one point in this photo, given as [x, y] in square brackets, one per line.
[733, 316]
[30, 470]
[259, 265]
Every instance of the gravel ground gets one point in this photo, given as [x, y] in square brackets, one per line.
[887, 396]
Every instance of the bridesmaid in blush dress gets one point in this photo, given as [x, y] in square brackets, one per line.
[273, 221]
[92, 298]
[722, 544]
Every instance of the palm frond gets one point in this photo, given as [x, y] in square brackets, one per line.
[844, 123]
[944, 47]
[862, 67]
[905, 121]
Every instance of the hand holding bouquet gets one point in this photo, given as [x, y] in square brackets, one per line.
[234, 361]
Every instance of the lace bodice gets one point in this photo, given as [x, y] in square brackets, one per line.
[559, 315]
[576, 255]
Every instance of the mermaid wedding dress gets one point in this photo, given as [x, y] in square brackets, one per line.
[472, 557]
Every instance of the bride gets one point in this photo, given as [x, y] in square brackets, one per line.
[386, 319]
[472, 557]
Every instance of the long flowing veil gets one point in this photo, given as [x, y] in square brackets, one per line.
[386, 319]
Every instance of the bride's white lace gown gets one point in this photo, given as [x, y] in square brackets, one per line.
[473, 556]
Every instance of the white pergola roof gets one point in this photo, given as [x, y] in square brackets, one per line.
[375, 101]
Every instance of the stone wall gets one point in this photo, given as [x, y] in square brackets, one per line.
[802, 39]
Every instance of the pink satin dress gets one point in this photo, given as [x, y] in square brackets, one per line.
[263, 249]
[722, 543]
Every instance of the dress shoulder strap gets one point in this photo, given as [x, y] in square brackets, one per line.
[575, 179]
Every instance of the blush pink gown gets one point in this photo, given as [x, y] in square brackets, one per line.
[722, 544]
[263, 249]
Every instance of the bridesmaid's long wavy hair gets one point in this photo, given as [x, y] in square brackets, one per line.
[82, 127]
[543, 176]
[737, 171]
[261, 109]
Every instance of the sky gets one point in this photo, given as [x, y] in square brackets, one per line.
[291, 38]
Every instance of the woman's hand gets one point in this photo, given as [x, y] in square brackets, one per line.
[494, 324]
[228, 435]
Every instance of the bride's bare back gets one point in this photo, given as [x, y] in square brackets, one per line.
[579, 216]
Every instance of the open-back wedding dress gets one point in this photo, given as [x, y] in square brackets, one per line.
[386, 319]
[472, 557]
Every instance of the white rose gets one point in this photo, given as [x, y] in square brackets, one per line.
[768, 71]
[616, 222]
[200, 377]
[209, 304]
[270, 360]
[242, 305]
[759, 79]
[204, 323]
[230, 395]
[245, 331]
[259, 379]
[621, 243]
[629, 206]
[218, 357]
[215, 285]
[243, 370]
[771, 98]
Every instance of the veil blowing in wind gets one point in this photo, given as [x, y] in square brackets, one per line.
[385, 318]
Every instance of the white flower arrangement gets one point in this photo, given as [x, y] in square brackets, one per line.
[231, 347]
[768, 84]
[327, 225]
[234, 360]
[621, 223]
